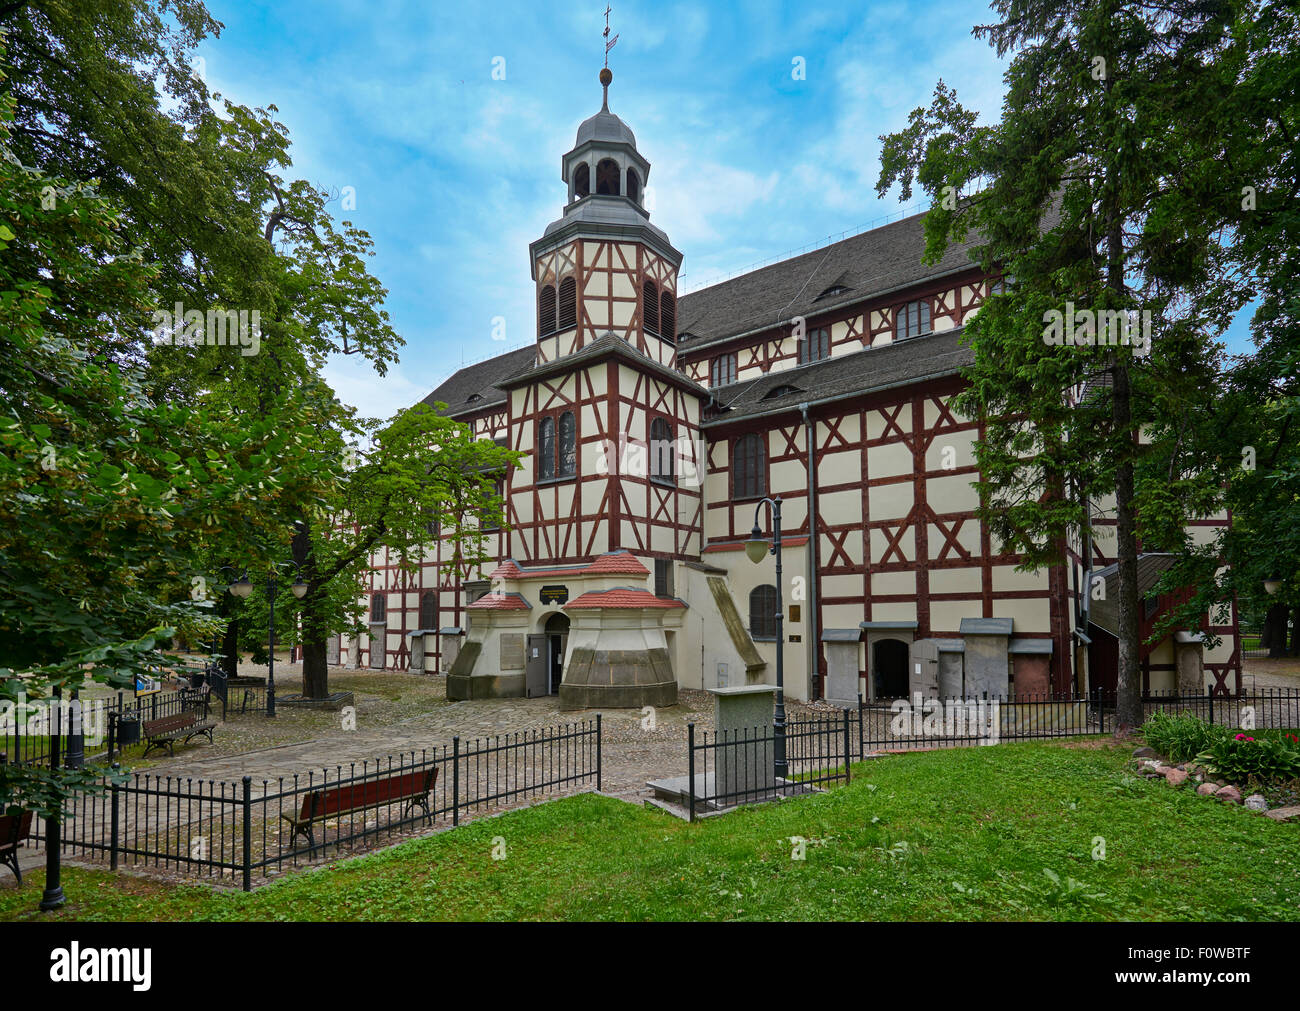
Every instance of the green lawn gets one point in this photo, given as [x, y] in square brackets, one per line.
[993, 833]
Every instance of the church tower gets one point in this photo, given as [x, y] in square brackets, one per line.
[602, 267]
[606, 508]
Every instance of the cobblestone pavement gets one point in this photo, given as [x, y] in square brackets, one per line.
[400, 712]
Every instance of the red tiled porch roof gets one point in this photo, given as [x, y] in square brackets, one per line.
[622, 597]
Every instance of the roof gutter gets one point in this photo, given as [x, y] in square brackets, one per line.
[812, 626]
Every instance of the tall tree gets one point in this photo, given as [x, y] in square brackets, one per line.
[1096, 193]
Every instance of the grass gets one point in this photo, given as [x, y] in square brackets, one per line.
[998, 833]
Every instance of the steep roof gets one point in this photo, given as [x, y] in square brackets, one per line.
[480, 379]
[894, 364]
[868, 265]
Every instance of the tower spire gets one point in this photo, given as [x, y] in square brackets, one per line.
[605, 74]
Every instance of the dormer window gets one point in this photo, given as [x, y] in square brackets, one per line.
[912, 320]
[722, 370]
[607, 178]
[473, 397]
[582, 180]
[784, 390]
[816, 346]
[832, 291]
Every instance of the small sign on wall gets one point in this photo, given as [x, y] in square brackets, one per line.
[554, 594]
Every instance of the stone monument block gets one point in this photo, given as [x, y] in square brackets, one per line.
[1189, 658]
[988, 669]
[842, 645]
[743, 771]
[951, 672]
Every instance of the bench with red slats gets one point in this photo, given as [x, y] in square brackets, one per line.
[167, 730]
[412, 787]
[15, 829]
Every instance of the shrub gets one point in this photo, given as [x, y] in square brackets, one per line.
[1181, 737]
[1266, 756]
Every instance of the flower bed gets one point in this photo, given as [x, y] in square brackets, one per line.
[1263, 766]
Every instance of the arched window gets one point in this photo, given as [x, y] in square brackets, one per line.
[546, 310]
[749, 467]
[762, 612]
[582, 180]
[662, 452]
[568, 445]
[378, 608]
[633, 184]
[546, 449]
[607, 178]
[568, 311]
[668, 315]
[428, 610]
[650, 307]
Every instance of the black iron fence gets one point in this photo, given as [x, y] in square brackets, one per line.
[739, 766]
[730, 767]
[1249, 640]
[105, 723]
[236, 831]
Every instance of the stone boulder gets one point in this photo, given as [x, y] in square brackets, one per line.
[1284, 813]
[1175, 777]
[1207, 789]
[1229, 793]
[1256, 802]
[1145, 753]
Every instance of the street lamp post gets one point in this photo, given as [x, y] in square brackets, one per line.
[242, 588]
[756, 548]
[52, 898]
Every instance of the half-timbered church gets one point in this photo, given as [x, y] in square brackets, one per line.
[654, 425]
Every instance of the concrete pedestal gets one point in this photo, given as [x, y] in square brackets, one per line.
[743, 714]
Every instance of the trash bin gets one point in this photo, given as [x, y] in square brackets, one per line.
[128, 730]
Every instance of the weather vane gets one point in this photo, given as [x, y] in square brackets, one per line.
[609, 43]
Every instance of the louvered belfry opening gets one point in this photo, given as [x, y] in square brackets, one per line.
[650, 307]
[582, 181]
[546, 310]
[568, 312]
[668, 315]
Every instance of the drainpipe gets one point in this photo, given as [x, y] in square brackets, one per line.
[811, 624]
[1084, 612]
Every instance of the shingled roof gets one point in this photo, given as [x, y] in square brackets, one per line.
[894, 364]
[480, 380]
[867, 265]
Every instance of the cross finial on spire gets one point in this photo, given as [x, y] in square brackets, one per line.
[606, 75]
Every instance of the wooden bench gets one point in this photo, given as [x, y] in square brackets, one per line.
[15, 829]
[413, 787]
[167, 730]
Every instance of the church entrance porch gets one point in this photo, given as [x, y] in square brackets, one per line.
[557, 641]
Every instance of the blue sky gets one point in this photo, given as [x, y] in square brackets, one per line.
[455, 172]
